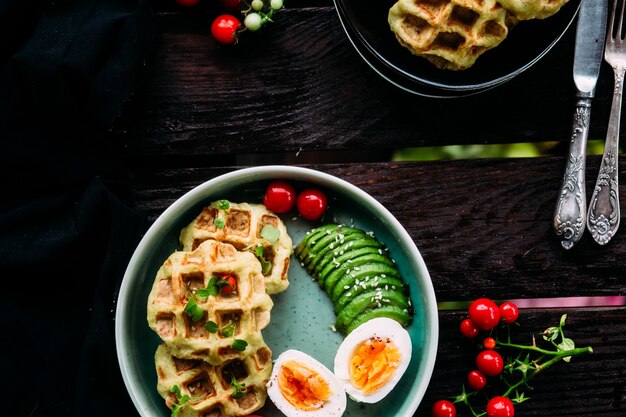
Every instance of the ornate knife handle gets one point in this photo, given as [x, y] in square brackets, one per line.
[604, 215]
[570, 212]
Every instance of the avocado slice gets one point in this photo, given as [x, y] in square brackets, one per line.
[402, 316]
[368, 300]
[386, 283]
[356, 265]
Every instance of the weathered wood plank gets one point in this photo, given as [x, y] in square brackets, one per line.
[292, 88]
[482, 226]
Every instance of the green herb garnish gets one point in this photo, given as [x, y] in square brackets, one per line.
[266, 266]
[181, 401]
[239, 344]
[226, 331]
[270, 233]
[219, 223]
[213, 288]
[193, 310]
[223, 204]
[238, 388]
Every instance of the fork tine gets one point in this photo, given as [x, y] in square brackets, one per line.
[619, 35]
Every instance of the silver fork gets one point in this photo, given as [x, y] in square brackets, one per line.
[603, 215]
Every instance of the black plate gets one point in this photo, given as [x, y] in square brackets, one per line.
[365, 23]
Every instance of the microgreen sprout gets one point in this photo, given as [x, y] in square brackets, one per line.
[219, 223]
[239, 345]
[270, 233]
[181, 401]
[193, 310]
[266, 266]
[225, 331]
[238, 388]
[223, 204]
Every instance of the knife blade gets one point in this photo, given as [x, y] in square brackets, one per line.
[571, 208]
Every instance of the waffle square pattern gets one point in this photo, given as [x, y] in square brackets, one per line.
[244, 312]
[452, 34]
[207, 390]
[241, 225]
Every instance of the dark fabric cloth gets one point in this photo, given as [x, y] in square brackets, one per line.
[67, 69]
[65, 255]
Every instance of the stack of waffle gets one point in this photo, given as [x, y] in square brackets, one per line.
[202, 367]
[452, 34]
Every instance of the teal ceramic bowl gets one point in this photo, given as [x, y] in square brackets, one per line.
[302, 316]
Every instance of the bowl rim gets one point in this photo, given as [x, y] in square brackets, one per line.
[257, 173]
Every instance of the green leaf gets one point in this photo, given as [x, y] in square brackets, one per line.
[551, 333]
[562, 322]
[176, 390]
[266, 266]
[565, 345]
[223, 204]
[270, 233]
[193, 310]
[211, 326]
[239, 345]
[219, 223]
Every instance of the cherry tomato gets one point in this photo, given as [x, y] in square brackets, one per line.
[489, 343]
[500, 407]
[231, 284]
[279, 197]
[484, 313]
[230, 4]
[468, 329]
[509, 312]
[489, 362]
[312, 204]
[187, 3]
[476, 380]
[224, 28]
[444, 408]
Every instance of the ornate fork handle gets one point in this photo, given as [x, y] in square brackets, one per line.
[571, 207]
[604, 216]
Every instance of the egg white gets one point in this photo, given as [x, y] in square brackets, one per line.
[379, 327]
[336, 404]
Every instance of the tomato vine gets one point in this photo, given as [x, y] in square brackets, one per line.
[508, 366]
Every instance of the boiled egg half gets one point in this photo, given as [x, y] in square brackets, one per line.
[300, 386]
[372, 358]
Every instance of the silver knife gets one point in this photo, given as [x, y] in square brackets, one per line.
[570, 212]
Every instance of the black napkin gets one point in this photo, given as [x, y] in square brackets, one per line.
[67, 69]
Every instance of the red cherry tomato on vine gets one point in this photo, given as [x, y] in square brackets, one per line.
[468, 329]
[484, 313]
[500, 407]
[224, 28]
[230, 4]
[187, 3]
[476, 380]
[508, 312]
[312, 204]
[444, 408]
[279, 197]
[489, 362]
[489, 343]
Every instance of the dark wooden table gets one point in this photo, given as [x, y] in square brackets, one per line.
[299, 94]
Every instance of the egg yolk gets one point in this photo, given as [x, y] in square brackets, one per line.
[303, 387]
[373, 363]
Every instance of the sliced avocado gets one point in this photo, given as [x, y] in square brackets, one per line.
[311, 237]
[329, 243]
[386, 283]
[402, 316]
[369, 300]
[346, 259]
[371, 264]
